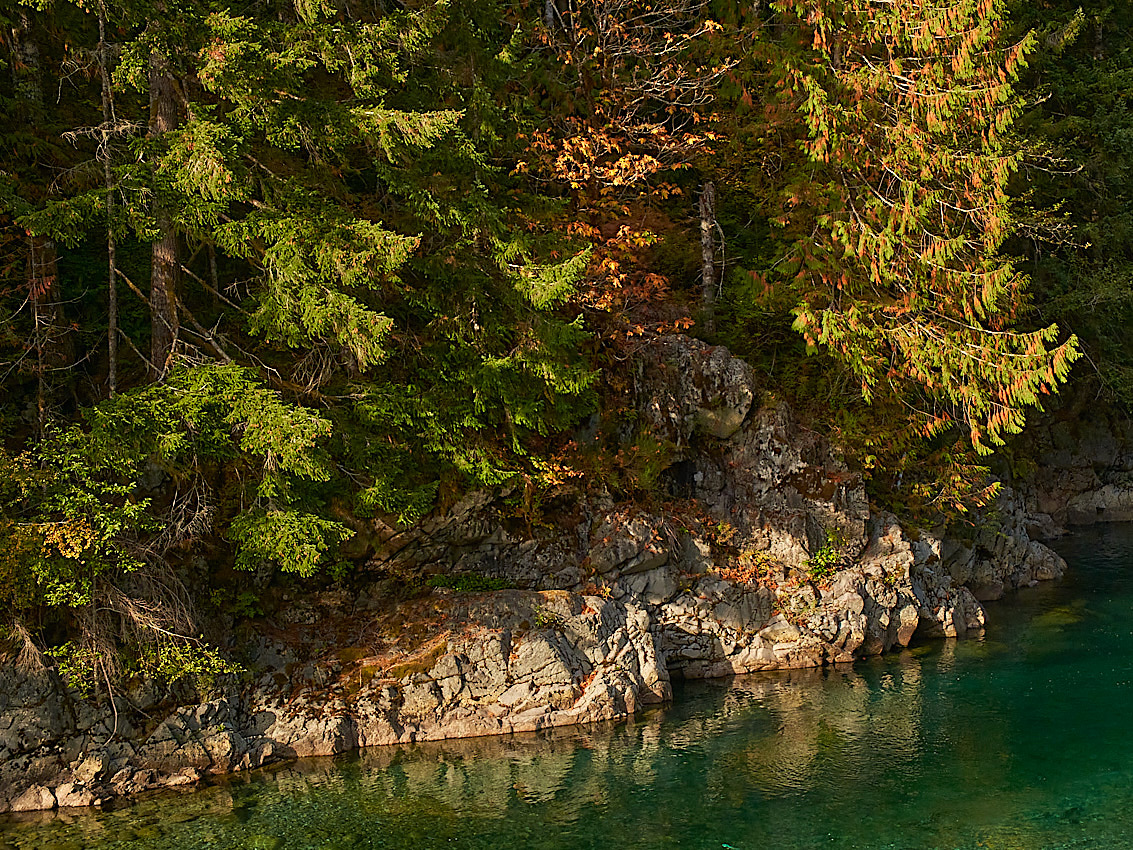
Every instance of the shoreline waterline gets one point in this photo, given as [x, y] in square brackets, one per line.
[1013, 739]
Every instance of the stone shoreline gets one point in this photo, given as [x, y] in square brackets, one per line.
[612, 601]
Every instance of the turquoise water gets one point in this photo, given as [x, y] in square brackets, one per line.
[1021, 739]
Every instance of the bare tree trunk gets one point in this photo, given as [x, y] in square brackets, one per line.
[108, 120]
[51, 338]
[165, 274]
[708, 256]
[46, 299]
[27, 80]
[214, 276]
[47, 335]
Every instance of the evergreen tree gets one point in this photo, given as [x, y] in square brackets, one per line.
[894, 219]
[357, 243]
[30, 181]
[1080, 163]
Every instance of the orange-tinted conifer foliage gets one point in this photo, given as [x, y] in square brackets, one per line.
[896, 217]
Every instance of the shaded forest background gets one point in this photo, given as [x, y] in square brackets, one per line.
[270, 269]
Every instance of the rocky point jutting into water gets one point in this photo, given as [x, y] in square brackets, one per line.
[766, 557]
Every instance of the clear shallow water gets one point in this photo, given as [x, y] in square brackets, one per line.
[1021, 739]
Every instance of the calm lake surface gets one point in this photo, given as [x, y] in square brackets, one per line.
[1021, 739]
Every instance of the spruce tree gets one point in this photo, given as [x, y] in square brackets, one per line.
[350, 168]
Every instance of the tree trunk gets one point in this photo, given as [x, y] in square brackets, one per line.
[108, 120]
[27, 79]
[51, 338]
[708, 256]
[165, 273]
[47, 302]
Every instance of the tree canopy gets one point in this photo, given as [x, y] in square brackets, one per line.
[270, 269]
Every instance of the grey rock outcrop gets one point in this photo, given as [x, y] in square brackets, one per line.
[517, 661]
[764, 555]
[685, 387]
[1073, 467]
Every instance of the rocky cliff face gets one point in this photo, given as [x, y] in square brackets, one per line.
[763, 555]
[475, 664]
[1075, 467]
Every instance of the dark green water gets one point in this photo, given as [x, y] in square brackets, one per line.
[1021, 739]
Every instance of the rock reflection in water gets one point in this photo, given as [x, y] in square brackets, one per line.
[1014, 740]
[729, 745]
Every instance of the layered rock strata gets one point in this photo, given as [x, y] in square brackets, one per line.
[511, 661]
[1074, 467]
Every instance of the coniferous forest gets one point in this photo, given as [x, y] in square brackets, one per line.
[272, 268]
